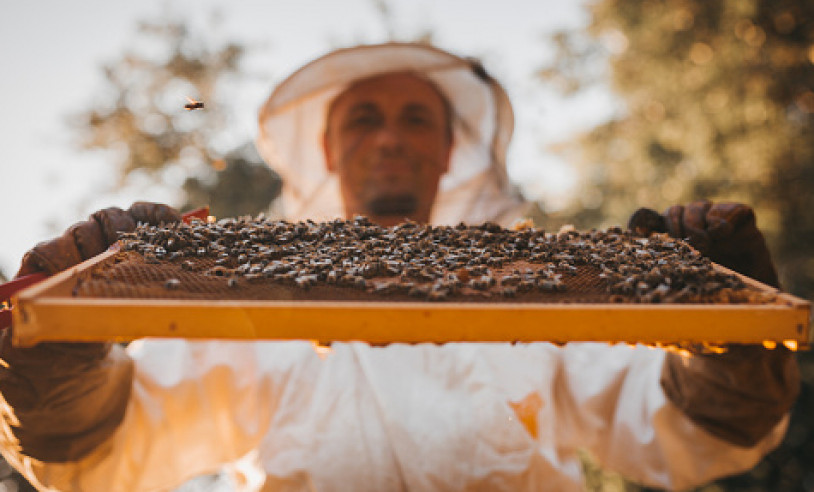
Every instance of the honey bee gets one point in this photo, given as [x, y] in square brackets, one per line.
[193, 104]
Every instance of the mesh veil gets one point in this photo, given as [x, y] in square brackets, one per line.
[475, 189]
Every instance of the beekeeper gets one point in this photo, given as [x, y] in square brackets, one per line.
[391, 131]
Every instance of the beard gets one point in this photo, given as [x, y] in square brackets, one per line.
[401, 205]
[392, 192]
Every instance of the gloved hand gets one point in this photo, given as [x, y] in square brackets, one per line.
[64, 399]
[738, 396]
[87, 239]
[742, 394]
[726, 233]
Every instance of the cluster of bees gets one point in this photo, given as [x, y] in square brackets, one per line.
[437, 262]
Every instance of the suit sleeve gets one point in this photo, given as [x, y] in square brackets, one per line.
[620, 411]
[192, 407]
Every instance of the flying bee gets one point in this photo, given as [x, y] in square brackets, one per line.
[193, 104]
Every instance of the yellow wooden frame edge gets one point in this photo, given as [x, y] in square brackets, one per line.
[46, 312]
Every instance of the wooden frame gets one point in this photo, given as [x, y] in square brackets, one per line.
[48, 312]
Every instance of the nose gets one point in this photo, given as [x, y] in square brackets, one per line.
[389, 137]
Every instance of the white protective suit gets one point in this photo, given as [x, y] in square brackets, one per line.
[420, 418]
[425, 417]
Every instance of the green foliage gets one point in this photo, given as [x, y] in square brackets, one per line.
[140, 113]
[243, 185]
[600, 480]
[719, 99]
[719, 104]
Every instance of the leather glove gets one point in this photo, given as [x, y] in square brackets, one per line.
[65, 399]
[62, 400]
[739, 395]
[742, 394]
[87, 239]
[726, 233]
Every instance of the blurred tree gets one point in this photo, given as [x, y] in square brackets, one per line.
[719, 104]
[140, 116]
[388, 17]
[243, 185]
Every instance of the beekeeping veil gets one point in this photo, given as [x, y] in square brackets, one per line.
[475, 189]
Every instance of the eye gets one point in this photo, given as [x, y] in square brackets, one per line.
[418, 120]
[363, 119]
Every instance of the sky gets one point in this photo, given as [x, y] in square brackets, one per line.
[51, 53]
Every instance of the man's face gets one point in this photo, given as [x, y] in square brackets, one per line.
[388, 139]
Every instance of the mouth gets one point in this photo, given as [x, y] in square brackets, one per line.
[398, 205]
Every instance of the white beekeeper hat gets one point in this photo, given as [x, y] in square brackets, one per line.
[476, 188]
